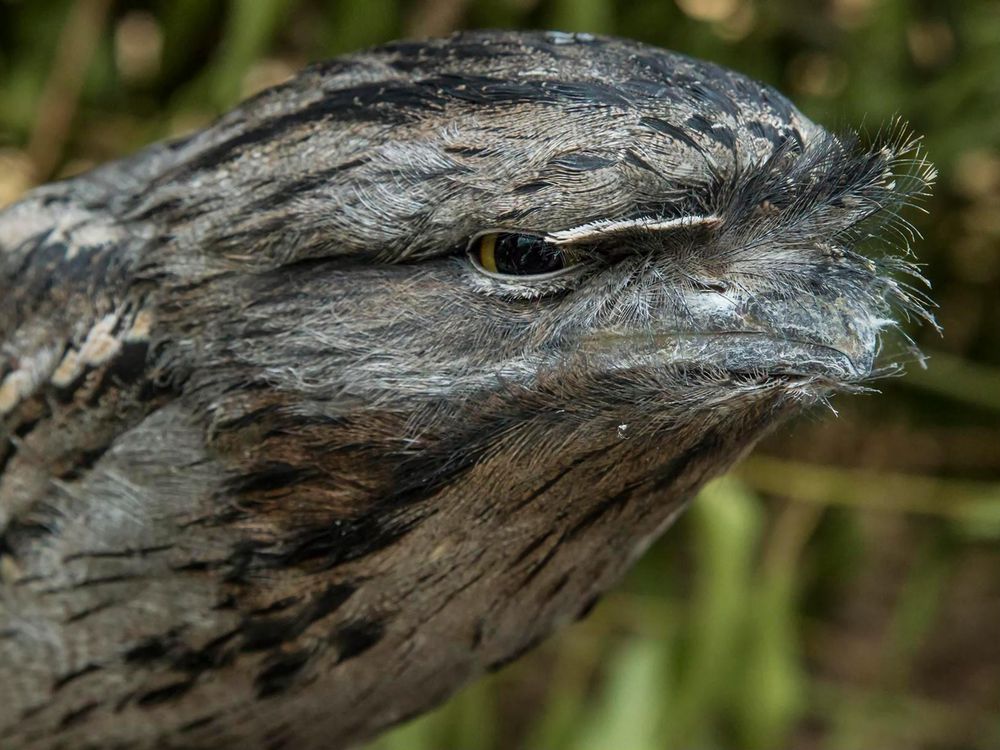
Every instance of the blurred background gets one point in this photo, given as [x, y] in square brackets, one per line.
[841, 589]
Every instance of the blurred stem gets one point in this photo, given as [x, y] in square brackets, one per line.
[474, 722]
[250, 27]
[915, 612]
[794, 526]
[594, 16]
[360, 23]
[59, 99]
[773, 679]
[629, 711]
[863, 718]
[959, 379]
[567, 696]
[435, 17]
[727, 523]
[970, 502]
[185, 24]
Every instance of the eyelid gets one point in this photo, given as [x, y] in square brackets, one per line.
[606, 229]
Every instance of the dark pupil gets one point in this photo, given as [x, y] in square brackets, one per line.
[523, 254]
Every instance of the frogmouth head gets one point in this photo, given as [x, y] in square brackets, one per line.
[452, 231]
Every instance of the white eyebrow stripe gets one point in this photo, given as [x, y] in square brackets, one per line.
[603, 227]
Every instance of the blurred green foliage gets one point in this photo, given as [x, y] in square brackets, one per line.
[842, 590]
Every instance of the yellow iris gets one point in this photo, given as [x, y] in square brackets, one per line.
[487, 252]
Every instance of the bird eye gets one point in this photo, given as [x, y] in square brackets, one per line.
[511, 254]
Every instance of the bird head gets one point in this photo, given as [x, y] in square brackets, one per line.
[532, 246]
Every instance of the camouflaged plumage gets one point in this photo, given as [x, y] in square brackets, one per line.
[281, 468]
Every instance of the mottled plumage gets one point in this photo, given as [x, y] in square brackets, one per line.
[282, 467]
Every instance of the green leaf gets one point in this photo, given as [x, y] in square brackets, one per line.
[634, 699]
[727, 521]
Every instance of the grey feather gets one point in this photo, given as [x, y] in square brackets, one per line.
[282, 467]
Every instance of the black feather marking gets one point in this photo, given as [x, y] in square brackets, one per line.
[77, 714]
[581, 162]
[280, 673]
[261, 633]
[166, 693]
[662, 126]
[355, 637]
